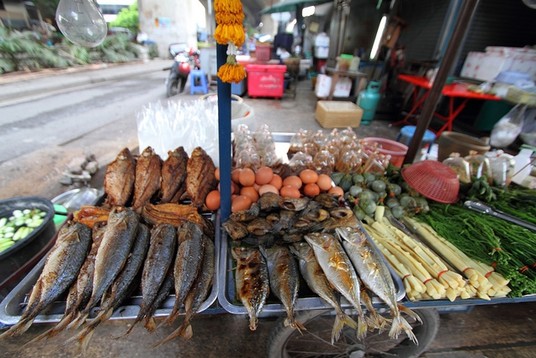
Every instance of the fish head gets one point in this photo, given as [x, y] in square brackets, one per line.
[351, 234]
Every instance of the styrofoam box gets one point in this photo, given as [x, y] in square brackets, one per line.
[338, 114]
[485, 66]
[323, 86]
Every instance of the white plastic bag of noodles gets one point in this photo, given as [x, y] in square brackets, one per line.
[506, 130]
[166, 126]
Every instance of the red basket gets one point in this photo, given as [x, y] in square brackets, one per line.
[433, 180]
[396, 150]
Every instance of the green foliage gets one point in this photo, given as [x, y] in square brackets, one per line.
[128, 18]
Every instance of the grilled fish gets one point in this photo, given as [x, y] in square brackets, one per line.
[252, 286]
[163, 293]
[284, 279]
[269, 201]
[80, 292]
[174, 214]
[319, 284]
[155, 268]
[115, 247]
[294, 204]
[121, 288]
[198, 293]
[200, 179]
[59, 273]
[147, 181]
[119, 179]
[339, 271]
[376, 276]
[246, 215]
[173, 176]
[187, 264]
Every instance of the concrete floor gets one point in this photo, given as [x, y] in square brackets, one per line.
[507, 330]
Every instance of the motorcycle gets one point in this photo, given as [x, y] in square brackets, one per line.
[184, 60]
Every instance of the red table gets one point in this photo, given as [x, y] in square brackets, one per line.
[451, 91]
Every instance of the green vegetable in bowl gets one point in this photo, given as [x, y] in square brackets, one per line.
[18, 226]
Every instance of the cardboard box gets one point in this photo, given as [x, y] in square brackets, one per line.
[338, 114]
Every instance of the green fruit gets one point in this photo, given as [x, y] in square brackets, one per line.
[395, 189]
[359, 213]
[355, 190]
[358, 179]
[369, 177]
[336, 177]
[392, 202]
[397, 211]
[346, 182]
[369, 207]
[378, 186]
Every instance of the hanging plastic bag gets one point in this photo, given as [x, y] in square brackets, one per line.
[528, 135]
[166, 126]
[506, 130]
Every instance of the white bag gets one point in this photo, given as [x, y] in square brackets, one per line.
[506, 130]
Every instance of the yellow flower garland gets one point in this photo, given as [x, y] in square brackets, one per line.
[230, 31]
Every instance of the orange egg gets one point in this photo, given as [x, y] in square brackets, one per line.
[264, 175]
[250, 192]
[311, 189]
[324, 182]
[247, 177]
[276, 181]
[217, 173]
[212, 200]
[241, 202]
[289, 191]
[268, 188]
[235, 175]
[336, 190]
[293, 180]
[308, 176]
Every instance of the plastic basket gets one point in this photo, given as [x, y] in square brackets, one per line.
[434, 180]
[396, 150]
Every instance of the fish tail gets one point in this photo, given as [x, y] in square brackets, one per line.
[362, 326]
[410, 313]
[173, 335]
[253, 320]
[400, 324]
[78, 321]
[56, 329]
[85, 339]
[150, 324]
[291, 321]
[18, 329]
[341, 319]
[131, 327]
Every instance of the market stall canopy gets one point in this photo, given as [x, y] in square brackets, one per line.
[291, 5]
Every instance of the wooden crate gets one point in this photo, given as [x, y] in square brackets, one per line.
[338, 114]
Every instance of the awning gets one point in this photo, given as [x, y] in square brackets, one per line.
[291, 5]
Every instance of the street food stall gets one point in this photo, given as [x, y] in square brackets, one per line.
[324, 229]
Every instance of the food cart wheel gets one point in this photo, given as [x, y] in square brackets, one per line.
[316, 340]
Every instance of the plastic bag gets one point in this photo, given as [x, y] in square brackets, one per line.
[528, 135]
[506, 130]
[179, 123]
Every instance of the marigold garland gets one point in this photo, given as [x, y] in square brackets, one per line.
[230, 31]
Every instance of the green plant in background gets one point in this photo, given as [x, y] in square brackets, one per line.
[128, 18]
[22, 50]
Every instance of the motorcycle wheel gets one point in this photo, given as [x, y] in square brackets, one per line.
[287, 342]
[172, 87]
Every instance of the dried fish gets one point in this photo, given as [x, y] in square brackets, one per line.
[173, 174]
[376, 276]
[235, 230]
[284, 279]
[252, 285]
[119, 179]
[200, 179]
[148, 177]
[60, 271]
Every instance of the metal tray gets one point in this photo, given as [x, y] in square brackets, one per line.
[13, 305]
[306, 301]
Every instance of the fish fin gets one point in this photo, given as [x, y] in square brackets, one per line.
[338, 325]
[84, 341]
[400, 324]
[150, 324]
[410, 313]
[130, 328]
[78, 321]
[291, 321]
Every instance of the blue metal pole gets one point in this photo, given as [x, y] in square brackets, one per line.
[224, 125]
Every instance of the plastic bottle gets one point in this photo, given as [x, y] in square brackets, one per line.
[368, 101]
[479, 165]
[460, 166]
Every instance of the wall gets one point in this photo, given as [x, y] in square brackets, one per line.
[167, 22]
